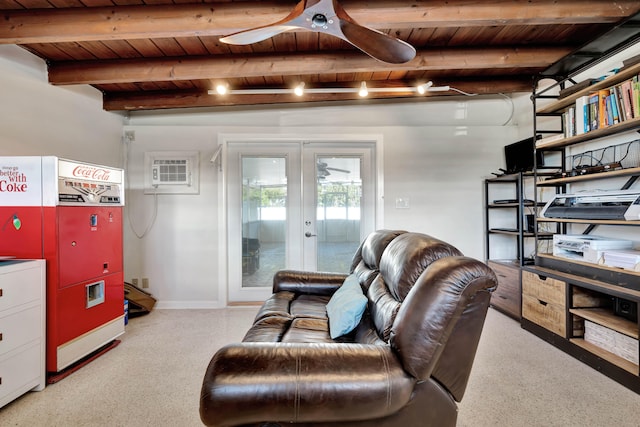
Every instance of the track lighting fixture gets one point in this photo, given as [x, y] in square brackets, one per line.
[422, 89]
[363, 90]
[222, 88]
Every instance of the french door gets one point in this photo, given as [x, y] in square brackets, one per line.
[297, 205]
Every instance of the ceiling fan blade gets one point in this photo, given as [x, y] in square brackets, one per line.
[259, 34]
[377, 44]
[256, 35]
[373, 42]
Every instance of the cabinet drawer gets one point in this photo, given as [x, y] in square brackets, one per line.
[506, 273]
[20, 287]
[507, 301]
[507, 296]
[545, 289]
[20, 328]
[550, 316]
[507, 290]
[20, 373]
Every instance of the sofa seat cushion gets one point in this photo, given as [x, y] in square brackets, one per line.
[277, 304]
[308, 330]
[365, 332]
[268, 329]
[314, 306]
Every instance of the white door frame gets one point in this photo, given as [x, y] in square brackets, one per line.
[224, 139]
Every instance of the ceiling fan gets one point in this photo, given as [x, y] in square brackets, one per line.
[324, 168]
[327, 16]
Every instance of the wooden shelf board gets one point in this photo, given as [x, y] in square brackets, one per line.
[624, 74]
[605, 317]
[514, 205]
[568, 277]
[591, 221]
[606, 355]
[510, 262]
[511, 233]
[594, 134]
[589, 177]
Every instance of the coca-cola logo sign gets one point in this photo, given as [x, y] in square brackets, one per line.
[12, 180]
[89, 172]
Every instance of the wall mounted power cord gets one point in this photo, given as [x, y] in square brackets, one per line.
[127, 139]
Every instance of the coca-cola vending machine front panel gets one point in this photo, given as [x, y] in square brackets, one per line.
[69, 213]
[90, 243]
[95, 301]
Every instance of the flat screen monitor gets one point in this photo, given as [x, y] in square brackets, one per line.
[519, 156]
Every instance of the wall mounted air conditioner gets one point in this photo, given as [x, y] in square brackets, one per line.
[171, 172]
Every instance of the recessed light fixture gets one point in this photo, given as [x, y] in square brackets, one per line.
[299, 90]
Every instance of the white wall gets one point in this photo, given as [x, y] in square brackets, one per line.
[37, 118]
[436, 154]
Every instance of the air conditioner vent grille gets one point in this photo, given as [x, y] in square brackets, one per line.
[172, 171]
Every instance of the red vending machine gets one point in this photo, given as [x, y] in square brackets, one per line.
[69, 213]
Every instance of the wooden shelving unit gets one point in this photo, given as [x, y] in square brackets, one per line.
[591, 291]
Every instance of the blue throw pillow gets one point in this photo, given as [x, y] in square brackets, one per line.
[345, 307]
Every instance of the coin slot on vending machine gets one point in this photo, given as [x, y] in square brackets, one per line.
[94, 222]
[95, 293]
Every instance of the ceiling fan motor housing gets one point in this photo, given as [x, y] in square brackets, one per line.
[320, 20]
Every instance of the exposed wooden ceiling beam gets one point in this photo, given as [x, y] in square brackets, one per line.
[213, 19]
[221, 67]
[181, 99]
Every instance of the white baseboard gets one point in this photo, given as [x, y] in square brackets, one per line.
[184, 305]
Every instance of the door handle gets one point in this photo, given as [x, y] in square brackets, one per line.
[308, 234]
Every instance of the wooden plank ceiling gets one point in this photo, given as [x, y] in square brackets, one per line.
[155, 54]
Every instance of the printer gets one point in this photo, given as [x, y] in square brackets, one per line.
[586, 248]
[609, 205]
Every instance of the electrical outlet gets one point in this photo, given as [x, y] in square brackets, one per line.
[134, 282]
[145, 283]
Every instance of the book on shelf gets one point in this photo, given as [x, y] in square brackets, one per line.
[582, 115]
[594, 113]
[627, 99]
[602, 108]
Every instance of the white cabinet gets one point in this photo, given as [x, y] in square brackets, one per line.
[22, 328]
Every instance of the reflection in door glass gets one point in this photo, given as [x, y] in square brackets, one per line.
[264, 216]
[338, 197]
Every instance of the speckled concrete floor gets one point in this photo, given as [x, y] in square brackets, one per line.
[153, 379]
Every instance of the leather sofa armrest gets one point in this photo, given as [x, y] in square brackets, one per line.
[256, 382]
[307, 282]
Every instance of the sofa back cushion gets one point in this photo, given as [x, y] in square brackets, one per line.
[438, 326]
[401, 264]
[366, 261]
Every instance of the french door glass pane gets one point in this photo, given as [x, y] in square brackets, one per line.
[264, 217]
[338, 210]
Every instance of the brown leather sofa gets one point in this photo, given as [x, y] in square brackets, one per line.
[406, 363]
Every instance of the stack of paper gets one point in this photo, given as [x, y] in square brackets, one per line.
[628, 260]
